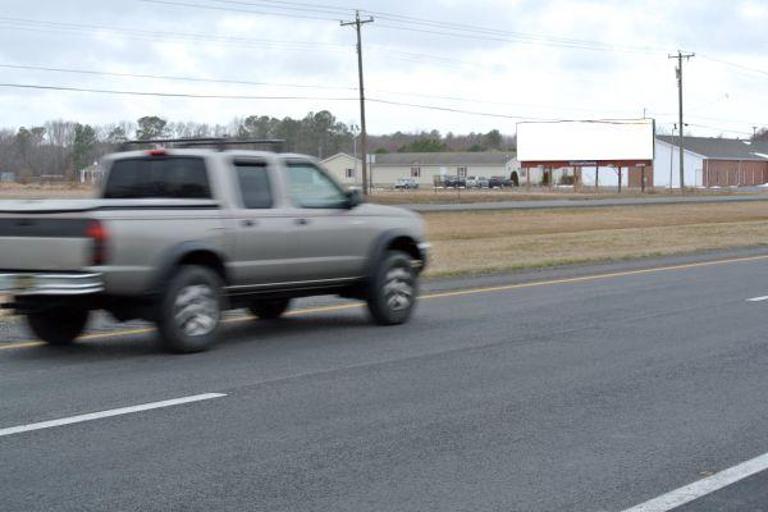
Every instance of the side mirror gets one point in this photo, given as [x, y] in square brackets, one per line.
[354, 198]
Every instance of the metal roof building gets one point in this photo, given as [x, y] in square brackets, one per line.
[711, 162]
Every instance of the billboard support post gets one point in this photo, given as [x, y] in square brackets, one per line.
[597, 177]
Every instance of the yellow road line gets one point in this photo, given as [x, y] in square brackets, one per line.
[430, 296]
[24, 344]
[596, 277]
[149, 330]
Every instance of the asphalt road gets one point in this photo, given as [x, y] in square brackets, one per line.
[581, 203]
[580, 394]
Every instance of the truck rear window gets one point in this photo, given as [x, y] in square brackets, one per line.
[166, 177]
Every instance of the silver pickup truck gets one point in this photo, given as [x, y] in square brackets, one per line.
[180, 235]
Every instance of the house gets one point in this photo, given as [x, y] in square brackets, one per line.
[386, 169]
[7, 177]
[345, 168]
[710, 162]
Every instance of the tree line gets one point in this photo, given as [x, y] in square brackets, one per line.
[61, 148]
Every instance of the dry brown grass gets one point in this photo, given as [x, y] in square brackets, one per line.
[40, 191]
[476, 242]
[424, 196]
[429, 196]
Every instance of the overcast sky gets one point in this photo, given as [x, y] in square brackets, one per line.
[538, 59]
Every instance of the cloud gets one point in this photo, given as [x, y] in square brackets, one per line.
[499, 71]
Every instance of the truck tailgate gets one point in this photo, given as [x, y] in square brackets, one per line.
[44, 243]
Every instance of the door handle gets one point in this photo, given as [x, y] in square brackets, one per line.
[302, 222]
[248, 223]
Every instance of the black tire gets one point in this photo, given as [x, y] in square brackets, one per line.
[270, 309]
[190, 310]
[59, 325]
[393, 289]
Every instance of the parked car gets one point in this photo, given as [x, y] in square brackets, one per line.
[180, 235]
[499, 182]
[455, 182]
[406, 184]
[477, 182]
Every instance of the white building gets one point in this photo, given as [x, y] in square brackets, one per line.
[708, 162]
[386, 169]
[345, 168]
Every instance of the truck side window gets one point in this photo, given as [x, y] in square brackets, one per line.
[254, 184]
[311, 188]
[166, 178]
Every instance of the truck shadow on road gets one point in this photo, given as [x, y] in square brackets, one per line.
[239, 333]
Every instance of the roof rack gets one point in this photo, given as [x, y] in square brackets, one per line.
[219, 143]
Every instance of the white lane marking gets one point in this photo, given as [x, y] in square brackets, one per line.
[758, 299]
[696, 490]
[107, 414]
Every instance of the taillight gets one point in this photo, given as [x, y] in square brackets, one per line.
[99, 236]
[157, 152]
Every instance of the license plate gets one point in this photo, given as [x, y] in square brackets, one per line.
[25, 283]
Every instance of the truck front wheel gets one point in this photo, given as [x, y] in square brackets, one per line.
[393, 289]
[59, 325]
[189, 313]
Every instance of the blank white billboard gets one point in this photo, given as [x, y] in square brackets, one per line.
[585, 141]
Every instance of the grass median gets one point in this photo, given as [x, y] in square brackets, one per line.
[484, 242]
[430, 196]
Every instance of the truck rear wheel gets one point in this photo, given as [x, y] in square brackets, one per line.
[59, 325]
[394, 289]
[189, 315]
[270, 309]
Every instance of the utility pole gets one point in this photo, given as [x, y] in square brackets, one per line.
[680, 56]
[354, 129]
[358, 23]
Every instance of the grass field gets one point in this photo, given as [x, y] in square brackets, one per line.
[39, 191]
[424, 196]
[481, 242]
[488, 196]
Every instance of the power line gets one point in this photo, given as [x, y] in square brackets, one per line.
[455, 110]
[289, 6]
[466, 33]
[168, 94]
[454, 29]
[750, 69]
[91, 72]
[320, 98]
[234, 9]
[251, 97]
[170, 77]
[39, 25]
[707, 127]
[145, 35]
